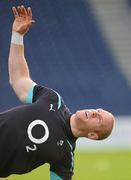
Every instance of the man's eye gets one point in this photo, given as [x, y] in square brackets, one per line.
[86, 115]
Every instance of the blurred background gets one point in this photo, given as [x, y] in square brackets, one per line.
[82, 49]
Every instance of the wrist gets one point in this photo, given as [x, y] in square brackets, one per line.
[17, 38]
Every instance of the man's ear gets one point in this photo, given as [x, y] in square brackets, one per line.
[92, 135]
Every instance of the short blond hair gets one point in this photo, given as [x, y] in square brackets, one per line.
[104, 131]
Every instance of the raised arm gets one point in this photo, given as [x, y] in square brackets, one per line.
[19, 76]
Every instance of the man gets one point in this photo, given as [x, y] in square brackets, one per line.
[43, 131]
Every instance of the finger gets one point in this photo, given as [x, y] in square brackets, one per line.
[15, 12]
[27, 25]
[30, 23]
[19, 11]
[24, 11]
[29, 12]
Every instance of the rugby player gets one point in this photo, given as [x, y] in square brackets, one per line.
[42, 130]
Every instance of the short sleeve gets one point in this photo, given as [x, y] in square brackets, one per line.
[62, 174]
[35, 93]
[38, 92]
[54, 176]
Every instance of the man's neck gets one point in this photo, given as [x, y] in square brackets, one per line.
[74, 127]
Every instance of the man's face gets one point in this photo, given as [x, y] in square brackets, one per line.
[95, 119]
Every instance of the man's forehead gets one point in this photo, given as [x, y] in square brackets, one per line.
[107, 116]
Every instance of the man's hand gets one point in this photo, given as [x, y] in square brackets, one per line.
[23, 19]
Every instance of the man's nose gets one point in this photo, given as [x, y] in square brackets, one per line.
[94, 113]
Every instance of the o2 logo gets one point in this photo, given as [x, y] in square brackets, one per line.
[35, 140]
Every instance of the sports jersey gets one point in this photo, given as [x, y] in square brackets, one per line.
[37, 133]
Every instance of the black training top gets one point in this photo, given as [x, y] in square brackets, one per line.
[37, 133]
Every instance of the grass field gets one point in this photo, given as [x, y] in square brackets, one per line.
[109, 165]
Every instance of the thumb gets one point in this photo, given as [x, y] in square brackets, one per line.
[30, 23]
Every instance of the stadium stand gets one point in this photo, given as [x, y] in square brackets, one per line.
[66, 50]
[129, 1]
